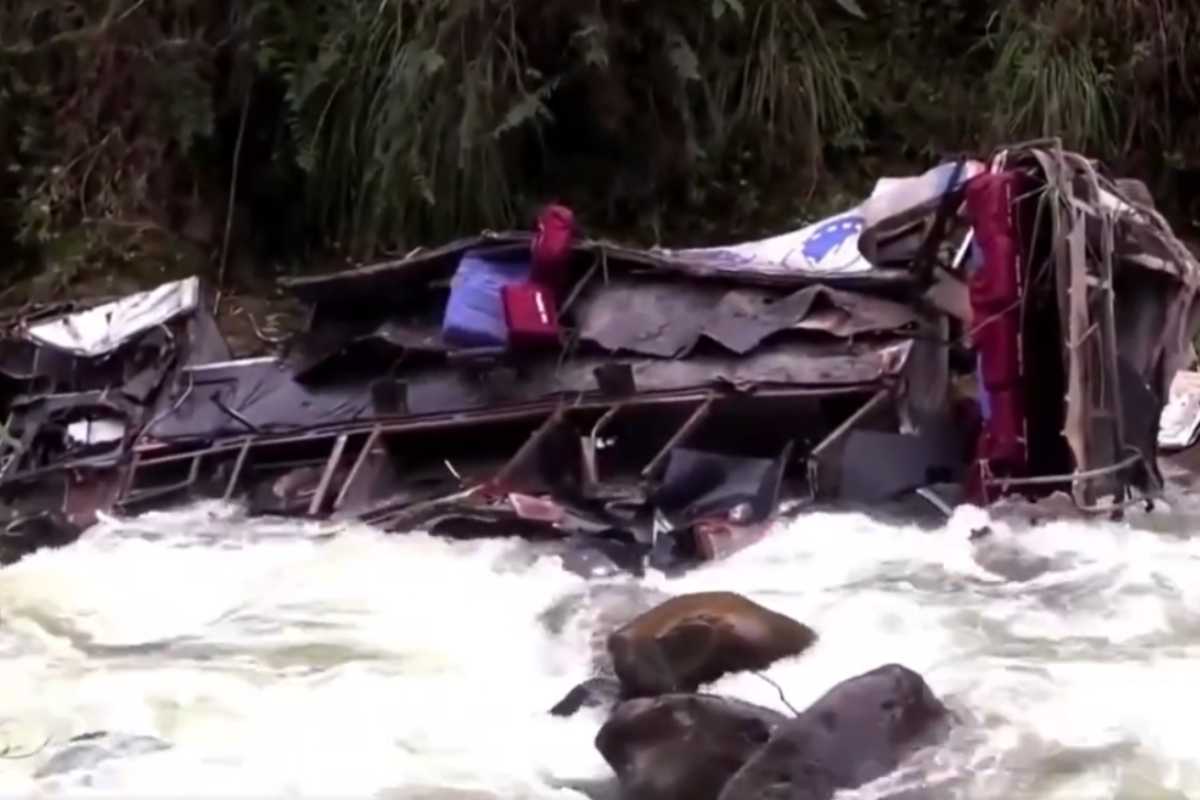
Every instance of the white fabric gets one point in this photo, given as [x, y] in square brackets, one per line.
[102, 329]
[1180, 421]
[95, 431]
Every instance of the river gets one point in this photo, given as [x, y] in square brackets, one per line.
[272, 658]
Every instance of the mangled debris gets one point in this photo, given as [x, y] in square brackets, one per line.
[631, 401]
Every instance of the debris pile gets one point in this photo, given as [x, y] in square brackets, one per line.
[958, 335]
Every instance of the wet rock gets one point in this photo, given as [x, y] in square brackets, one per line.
[858, 731]
[694, 639]
[592, 693]
[88, 750]
[682, 746]
[602, 608]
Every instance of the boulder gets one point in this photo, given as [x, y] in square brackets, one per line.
[858, 731]
[601, 608]
[682, 746]
[694, 639]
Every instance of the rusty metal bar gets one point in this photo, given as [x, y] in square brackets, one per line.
[130, 476]
[330, 467]
[533, 441]
[1067, 478]
[851, 421]
[237, 469]
[157, 491]
[460, 419]
[591, 473]
[363, 454]
[684, 430]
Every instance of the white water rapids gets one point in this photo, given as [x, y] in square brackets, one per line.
[279, 658]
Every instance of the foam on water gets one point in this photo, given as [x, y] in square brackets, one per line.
[284, 658]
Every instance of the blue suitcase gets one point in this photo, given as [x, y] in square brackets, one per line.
[474, 315]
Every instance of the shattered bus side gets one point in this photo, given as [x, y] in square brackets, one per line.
[957, 336]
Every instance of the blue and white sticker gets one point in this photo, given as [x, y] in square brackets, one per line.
[832, 245]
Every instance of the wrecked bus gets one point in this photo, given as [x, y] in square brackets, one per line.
[957, 336]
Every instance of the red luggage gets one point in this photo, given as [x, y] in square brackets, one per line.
[531, 315]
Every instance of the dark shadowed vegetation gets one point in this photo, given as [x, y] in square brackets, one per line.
[362, 127]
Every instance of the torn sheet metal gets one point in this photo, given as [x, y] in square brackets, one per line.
[252, 396]
[205, 344]
[262, 396]
[654, 318]
[392, 340]
[106, 327]
[667, 319]
[1179, 426]
[746, 317]
[782, 365]
[1092, 235]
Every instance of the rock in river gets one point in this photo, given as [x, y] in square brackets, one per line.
[858, 731]
[601, 608]
[682, 746]
[694, 639]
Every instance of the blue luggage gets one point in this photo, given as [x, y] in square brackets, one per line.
[475, 312]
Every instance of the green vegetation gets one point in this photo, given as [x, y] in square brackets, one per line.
[363, 127]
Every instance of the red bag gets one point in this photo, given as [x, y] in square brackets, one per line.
[531, 315]
[551, 249]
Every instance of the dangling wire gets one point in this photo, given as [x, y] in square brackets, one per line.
[779, 689]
